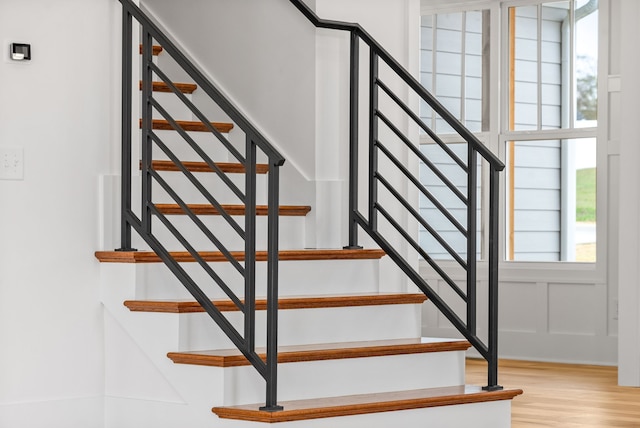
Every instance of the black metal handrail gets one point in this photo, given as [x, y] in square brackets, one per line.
[151, 34]
[369, 221]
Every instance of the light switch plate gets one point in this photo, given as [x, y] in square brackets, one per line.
[11, 163]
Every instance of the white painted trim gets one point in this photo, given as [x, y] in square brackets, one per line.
[563, 272]
[429, 7]
[629, 214]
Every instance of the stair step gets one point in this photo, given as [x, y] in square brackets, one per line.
[365, 403]
[284, 303]
[208, 209]
[155, 49]
[325, 351]
[187, 125]
[185, 88]
[216, 256]
[231, 168]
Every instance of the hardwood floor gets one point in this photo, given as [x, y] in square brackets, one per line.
[564, 395]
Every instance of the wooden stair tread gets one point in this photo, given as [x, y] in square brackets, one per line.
[185, 88]
[208, 209]
[188, 125]
[231, 168]
[155, 49]
[284, 303]
[324, 351]
[216, 256]
[366, 403]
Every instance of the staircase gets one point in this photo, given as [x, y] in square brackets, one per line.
[348, 355]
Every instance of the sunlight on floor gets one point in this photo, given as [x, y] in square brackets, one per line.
[564, 395]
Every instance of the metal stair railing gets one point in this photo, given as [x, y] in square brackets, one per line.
[369, 221]
[245, 265]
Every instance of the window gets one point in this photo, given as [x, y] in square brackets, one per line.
[549, 118]
[454, 59]
[551, 131]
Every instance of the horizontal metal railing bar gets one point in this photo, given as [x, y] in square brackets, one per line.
[202, 299]
[203, 83]
[203, 155]
[421, 220]
[411, 81]
[423, 158]
[198, 258]
[205, 121]
[423, 253]
[192, 178]
[423, 125]
[443, 210]
[207, 232]
[422, 284]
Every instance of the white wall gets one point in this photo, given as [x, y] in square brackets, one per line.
[58, 110]
[398, 33]
[261, 54]
[292, 81]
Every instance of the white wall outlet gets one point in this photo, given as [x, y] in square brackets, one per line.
[11, 163]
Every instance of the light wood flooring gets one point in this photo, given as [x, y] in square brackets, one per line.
[564, 395]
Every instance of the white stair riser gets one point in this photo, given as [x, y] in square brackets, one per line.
[306, 326]
[207, 141]
[330, 378]
[291, 233]
[496, 414]
[176, 332]
[295, 278]
[172, 104]
[217, 188]
[159, 333]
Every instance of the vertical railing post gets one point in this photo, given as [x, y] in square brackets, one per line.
[373, 140]
[147, 117]
[273, 201]
[250, 245]
[125, 194]
[472, 228]
[353, 139]
[492, 369]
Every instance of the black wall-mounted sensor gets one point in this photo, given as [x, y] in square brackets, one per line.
[20, 51]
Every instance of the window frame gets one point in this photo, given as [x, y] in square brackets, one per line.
[497, 137]
[561, 270]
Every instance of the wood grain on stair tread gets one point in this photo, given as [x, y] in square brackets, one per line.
[187, 125]
[325, 351]
[232, 168]
[284, 303]
[216, 256]
[185, 88]
[366, 403]
[208, 209]
[155, 49]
